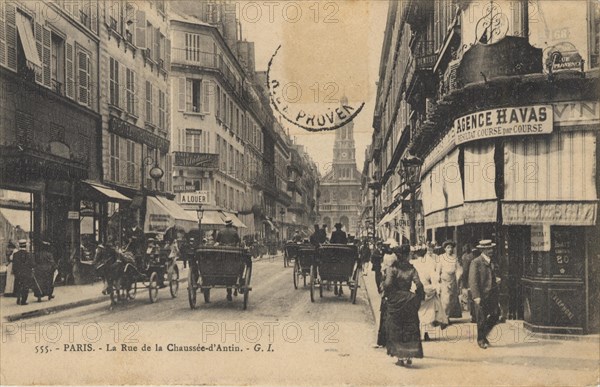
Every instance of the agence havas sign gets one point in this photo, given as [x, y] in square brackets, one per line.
[501, 122]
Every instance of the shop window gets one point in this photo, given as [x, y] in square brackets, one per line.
[16, 219]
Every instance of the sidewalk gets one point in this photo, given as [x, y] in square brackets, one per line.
[65, 297]
[508, 334]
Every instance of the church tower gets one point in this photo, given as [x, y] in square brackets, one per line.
[344, 151]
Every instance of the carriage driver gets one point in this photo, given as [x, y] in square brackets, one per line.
[228, 236]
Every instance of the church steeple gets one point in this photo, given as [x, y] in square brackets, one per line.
[344, 150]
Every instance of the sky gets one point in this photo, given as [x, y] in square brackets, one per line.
[330, 46]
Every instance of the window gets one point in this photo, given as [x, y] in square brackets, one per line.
[114, 158]
[193, 94]
[57, 64]
[29, 52]
[131, 167]
[218, 103]
[114, 82]
[231, 160]
[218, 193]
[149, 104]
[193, 140]
[192, 47]
[162, 110]
[83, 78]
[230, 197]
[130, 91]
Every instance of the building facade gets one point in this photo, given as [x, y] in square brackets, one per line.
[501, 141]
[49, 122]
[341, 186]
[134, 100]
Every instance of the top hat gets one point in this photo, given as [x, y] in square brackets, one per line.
[338, 225]
[22, 242]
[486, 244]
[228, 221]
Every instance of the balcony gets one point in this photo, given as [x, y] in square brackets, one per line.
[207, 61]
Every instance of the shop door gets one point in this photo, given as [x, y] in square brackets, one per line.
[58, 231]
[518, 250]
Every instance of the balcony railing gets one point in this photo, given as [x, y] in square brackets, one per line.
[208, 60]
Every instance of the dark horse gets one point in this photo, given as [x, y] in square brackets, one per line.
[118, 271]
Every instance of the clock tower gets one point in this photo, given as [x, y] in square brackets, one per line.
[344, 162]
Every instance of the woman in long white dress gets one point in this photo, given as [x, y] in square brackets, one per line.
[9, 289]
[431, 313]
[448, 270]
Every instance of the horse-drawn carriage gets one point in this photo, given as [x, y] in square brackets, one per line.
[304, 260]
[122, 271]
[289, 252]
[219, 267]
[335, 263]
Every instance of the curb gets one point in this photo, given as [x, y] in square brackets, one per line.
[63, 307]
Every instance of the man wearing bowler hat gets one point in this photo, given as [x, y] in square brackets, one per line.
[484, 290]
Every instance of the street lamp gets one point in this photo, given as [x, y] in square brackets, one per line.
[200, 214]
[412, 174]
[282, 212]
[156, 172]
[375, 186]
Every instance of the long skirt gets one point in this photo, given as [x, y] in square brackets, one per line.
[449, 297]
[431, 311]
[403, 338]
[9, 289]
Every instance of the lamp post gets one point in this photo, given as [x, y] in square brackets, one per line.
[375, 186]
[282, 213]
[200, 214]
[412, 173]
[156, 172]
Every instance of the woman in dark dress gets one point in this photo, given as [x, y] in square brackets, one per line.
[403, 339]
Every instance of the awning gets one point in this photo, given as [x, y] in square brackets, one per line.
[236, 221]
[20, 218]
[162, 213]
[553, 181]
[210, 218]
[27, 40]
[389, 216]
[180, 217]
[270, 224]
[101, 192]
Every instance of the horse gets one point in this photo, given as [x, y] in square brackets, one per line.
[118, 271]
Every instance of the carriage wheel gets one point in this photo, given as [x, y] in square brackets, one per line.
[312, 283]
[206, 293]
[153, 287]
[132, 292]
[247, 287]
[354, 290]
[174, 281]
[296, 273]
[192, 289]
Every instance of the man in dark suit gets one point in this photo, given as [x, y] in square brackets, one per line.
[228, 236]
[338, 236]
[314, 238]
[323, 234]
[484, 290]
[23, 265]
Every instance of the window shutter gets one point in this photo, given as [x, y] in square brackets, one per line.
[181, 95]
[89, 80]
[69, 69]
[122, 87]
[47, 42]
[38, 32]
[140, 29]
[2, 36]
[11, 35]
[188, 95]
[94, 16]
[206, 96]
[156, 46]
[82, 78]
[168, 54]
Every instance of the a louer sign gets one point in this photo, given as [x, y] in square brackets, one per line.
[198, 197]
[501, 122]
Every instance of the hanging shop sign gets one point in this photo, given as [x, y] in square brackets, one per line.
[198, 197]
[73, 215]
[125, 129]
[563, 56]
[503, 122]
